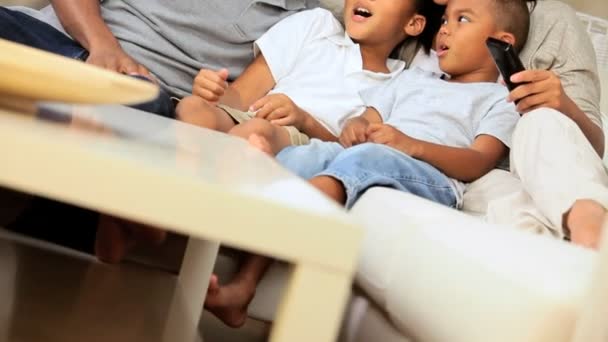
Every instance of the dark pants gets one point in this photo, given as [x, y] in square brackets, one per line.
[46, 219]
[23, 29]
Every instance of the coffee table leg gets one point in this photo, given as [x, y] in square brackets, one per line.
[187, 305]
[194, 275]
[313, 305]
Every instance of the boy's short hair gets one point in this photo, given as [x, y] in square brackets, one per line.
[513, 16]
[433, 14]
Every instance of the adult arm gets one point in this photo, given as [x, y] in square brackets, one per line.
[82, 20]
[563, 69]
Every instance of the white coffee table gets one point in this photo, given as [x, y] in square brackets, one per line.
[211, 187]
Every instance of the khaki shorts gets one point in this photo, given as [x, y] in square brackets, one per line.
[295, 136]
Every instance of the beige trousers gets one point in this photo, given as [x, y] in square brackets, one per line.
[552, 166]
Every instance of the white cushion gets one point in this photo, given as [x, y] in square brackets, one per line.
[443, 275]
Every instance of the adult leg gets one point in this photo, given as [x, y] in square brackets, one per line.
[562, 174]
[21, 28]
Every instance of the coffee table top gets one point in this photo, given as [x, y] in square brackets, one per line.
[173, 175]
[33, 74]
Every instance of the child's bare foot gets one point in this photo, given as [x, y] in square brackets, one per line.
[229, 303]
[116, 237]
[260, 143]
[585, 222]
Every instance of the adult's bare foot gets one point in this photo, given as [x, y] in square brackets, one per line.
[116, 237]
[229, 303]
[585, 221]
[260, 143]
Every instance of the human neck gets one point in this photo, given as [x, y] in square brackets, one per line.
[477, 76]
[375, 57]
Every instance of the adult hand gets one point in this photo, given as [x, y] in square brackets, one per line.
[280, 110]
[354, 132]
[115, 59]
[542, 89]
[210, 85]
[390, 136]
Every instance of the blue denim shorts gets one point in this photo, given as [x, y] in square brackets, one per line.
[21, 28]
[369, 165]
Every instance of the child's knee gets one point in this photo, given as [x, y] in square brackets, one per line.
[195, 110]
[254, 126]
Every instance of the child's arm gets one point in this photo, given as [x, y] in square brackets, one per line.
[464, 164]
[255, 82]
[280, 110]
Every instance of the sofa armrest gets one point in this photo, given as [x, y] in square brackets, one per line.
[446, 276]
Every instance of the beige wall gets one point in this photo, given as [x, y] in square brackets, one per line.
[598, 8]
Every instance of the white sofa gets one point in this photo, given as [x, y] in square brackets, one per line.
[421, 278]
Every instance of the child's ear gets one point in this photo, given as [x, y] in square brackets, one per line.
[506, 37]
[415, 26]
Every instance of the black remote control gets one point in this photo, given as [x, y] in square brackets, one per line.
[506, 60]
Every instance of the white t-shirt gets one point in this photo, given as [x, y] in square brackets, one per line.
[319, 67]
[427, 108]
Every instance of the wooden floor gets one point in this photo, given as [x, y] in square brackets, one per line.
[53, 297]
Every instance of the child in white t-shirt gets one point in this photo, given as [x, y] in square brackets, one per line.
[308, 72]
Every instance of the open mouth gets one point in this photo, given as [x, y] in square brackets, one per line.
[442, 49]
[363, 12]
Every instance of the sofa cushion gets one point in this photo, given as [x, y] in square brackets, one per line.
[441, 274]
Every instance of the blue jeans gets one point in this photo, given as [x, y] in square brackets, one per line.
[368, 165]
[21, 28]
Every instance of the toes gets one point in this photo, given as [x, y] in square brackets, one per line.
[214, 284]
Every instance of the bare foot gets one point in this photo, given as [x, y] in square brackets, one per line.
[112, 241]
[260, 143]
[229, 303]
[585, 221]
[116, 237]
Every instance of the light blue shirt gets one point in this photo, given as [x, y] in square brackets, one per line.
[428, 108]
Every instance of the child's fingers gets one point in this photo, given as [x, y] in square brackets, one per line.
[286, 121]
[263, 112]
[259, 104]
[208, 76]
[215, 86]
[378, 137]
[277, 113]
[205, 94]
[223, 74]
[372, 128]
[361, 135]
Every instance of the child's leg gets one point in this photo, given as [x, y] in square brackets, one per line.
[359, 168]
[194, 110]
[115, 237]
[331, 187]
[277, 137]
[229, 302]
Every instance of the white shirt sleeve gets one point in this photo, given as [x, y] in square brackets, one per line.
[382, 97]
[282, 44]
[499, 122]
